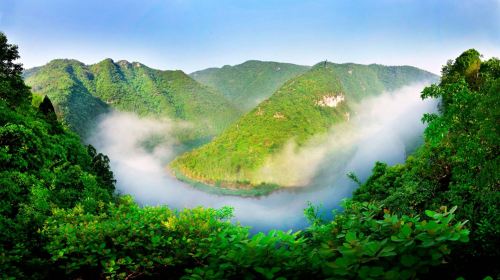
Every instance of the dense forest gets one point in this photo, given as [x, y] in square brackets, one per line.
[249, 83]
[82, 93]
[435, 216]
[303, 107]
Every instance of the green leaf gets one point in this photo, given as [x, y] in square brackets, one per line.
[350, 236]
[453, 209]
[342, 262]
[371, 248]
[406, 231]
[388, 251]
[408, 260]
[430, 213]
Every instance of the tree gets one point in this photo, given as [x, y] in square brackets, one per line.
[458, 163]
[100, 165]
[8, 54]
[12, 88]
[47, 108]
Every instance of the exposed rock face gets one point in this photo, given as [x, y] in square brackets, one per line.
[330, 100]
[259, 112]
[278, 115]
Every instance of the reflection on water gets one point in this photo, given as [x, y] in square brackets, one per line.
[384, 129]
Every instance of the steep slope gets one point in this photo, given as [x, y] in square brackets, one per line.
[69, 85]
[368, 80]
[44, 168]
[249, 83]
[82, 92]
[305, 106]
[458, 164]
[292, 111]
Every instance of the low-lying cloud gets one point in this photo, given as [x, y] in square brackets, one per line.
[383, 129]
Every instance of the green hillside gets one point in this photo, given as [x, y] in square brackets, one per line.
[304, 106]
[364, 80]
[81, 93]
[68, 84]
[59, 218]
[43, 167]
[458, 164]
[249, 83]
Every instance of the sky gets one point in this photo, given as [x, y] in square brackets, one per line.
[192, 35]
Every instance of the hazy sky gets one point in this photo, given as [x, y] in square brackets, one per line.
[192, 35]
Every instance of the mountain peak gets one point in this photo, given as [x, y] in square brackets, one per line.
[64, 61]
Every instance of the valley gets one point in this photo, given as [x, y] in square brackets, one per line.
[381, 134]
[245, 155]
[249, 154]
[256, 140]
[360, 151]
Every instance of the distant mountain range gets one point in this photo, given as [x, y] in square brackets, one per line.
[249, 83]
[306, 105]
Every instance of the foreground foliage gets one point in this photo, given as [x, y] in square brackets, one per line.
[458, 163]
[42, 167]
[59, 219]
[362, 242]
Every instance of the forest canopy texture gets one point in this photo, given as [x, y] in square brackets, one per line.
[435, 215]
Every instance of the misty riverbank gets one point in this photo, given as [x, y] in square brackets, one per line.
[385, 128]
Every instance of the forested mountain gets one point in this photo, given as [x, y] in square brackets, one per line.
[82, 92]
[361, 81]
[458, 164]
[59, 218]
[304, 106]
[249, 83]
[42, 167]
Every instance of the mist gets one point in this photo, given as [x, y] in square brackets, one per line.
[383, 128]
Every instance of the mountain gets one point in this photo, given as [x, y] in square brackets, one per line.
[249, 83]
[80, 93]
[304, 106]
[368, 80]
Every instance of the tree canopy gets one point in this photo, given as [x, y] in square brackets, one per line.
[60, 218]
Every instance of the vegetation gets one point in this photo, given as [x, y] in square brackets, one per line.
[42, 167]
[129, 241]
[59, 219]
[360, 81]
[249, 83]
[458, 163]
[81, 93]
[260, 190]
[294, 112]
[253, 81]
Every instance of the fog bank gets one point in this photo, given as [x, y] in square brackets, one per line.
[380, 127]
[384, 128]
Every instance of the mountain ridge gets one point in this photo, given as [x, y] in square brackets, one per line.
[304, 106]
[131, 87]
[250, 82]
